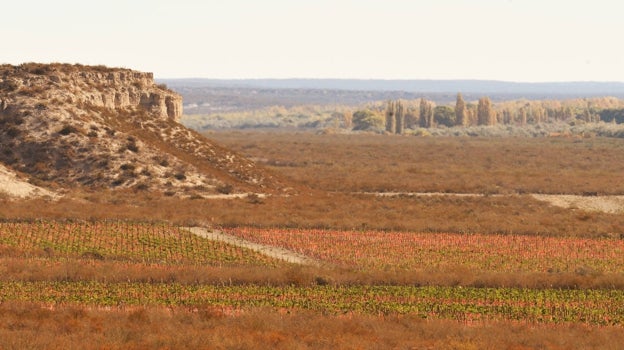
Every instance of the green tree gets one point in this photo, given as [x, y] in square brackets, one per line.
[444, 115]
[367, 120]
[461, 115]
[612, 116]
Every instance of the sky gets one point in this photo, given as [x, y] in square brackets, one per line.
[508, 40]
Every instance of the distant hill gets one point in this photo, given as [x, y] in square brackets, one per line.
[573, 89]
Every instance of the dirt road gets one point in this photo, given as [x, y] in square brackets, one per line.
[274, 252]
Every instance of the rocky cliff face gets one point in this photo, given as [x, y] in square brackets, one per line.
[80, 126]
[117, 88]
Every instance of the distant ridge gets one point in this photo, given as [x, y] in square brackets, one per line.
[572, 89]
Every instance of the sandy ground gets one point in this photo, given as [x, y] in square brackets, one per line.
[421, 194]
[606, 204]
[274, 252]
[232, 195]
[14, 187]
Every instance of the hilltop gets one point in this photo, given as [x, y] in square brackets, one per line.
[73, 126]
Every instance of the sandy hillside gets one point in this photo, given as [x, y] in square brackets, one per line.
[12, 186]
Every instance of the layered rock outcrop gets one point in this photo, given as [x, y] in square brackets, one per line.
[97, 127]
[113, 88]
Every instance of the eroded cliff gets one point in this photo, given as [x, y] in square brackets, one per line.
[73, 125]
[114, 88]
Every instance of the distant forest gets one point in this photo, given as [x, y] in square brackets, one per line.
[399, 115]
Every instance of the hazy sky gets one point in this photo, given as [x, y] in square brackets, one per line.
[513, 40]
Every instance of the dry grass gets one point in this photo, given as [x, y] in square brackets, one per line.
[33, 326]
[506, 215]
[437, 164]
[16, 267]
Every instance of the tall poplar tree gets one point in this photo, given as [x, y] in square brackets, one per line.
[390, 118]
[461, 116]
[412, 117]
[426, 114]
[523, 116]
[485, 113]
[347, 119]
[399, 118]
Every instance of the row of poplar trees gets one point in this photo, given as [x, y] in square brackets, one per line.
[398, 118]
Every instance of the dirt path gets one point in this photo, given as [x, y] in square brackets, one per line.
[423, 194]
[605, 204]
[273, 252]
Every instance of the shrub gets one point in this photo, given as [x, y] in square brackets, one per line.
[13, 132]
[141, 187]
[162, 161]
[32, 90]
[132, 147]
[68, 129]
[224, 188]
[254, 199]
[367, 120]
[127, 167]
[8, 85]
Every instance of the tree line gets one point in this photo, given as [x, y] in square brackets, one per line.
[395, 116]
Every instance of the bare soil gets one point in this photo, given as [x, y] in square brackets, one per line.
[605, 204]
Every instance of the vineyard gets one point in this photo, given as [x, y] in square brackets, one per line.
[166, 246]
[124, 241]
[404, 251]
[593, 307]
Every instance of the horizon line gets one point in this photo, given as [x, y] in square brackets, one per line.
[407, 79]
